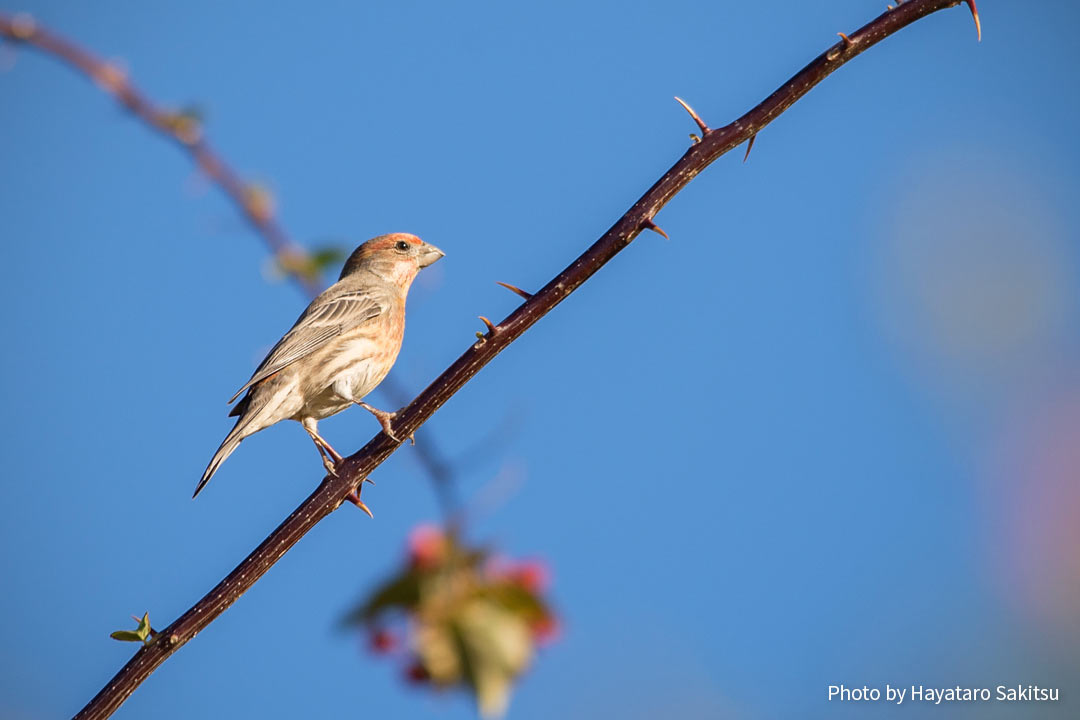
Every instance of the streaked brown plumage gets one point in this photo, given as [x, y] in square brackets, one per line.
[339, 350]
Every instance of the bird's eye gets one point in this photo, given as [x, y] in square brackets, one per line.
[402, 245]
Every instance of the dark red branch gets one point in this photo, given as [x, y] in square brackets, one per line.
[333, 490]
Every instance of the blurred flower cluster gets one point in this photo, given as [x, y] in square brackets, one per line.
[460, 616]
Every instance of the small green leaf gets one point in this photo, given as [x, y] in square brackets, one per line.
[126, 636]
[323, 257]
[142, 633]
[519, 600]
[401, 592]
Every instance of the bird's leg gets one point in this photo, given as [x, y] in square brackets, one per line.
[384, 419]
[329, 455]
[331, 458]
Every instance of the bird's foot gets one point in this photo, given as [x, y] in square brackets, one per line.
[354, 498]
[331, 458]
[385, 419]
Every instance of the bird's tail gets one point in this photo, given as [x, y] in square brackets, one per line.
[225, 450]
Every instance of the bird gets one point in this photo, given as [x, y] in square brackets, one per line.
[340, 348]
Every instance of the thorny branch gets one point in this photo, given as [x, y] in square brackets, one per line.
[333, 490]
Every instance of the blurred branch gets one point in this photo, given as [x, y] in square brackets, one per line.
[439, 469]
[333, 490]
[184, 129]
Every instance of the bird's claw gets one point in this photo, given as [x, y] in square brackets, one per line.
[385, 421]
[387, 427]
[411, 437]
[331, 467]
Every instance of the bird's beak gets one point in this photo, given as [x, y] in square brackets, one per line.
[429, 254]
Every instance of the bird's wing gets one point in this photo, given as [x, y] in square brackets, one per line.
[329, 315]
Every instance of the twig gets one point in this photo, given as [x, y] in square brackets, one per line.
[333, 490]
[181, 128]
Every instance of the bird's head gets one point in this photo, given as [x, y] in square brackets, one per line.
[397, 257]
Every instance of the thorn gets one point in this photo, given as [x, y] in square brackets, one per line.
[369, 480]
[847, 40]
[515, 290]
[491, 328]
[700, 123]
[648, 224]
[749, 147]
[694, 139]
[975, 15]
[355, 500]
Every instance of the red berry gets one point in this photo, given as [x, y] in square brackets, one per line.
[383, 641]
[416, 673]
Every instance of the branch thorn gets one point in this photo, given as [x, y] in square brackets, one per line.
[354, 498]
[846, 39]
[700, 123]
[648, 224]
[749, 147]
[491, 328]
[515, 290]
[975, 15]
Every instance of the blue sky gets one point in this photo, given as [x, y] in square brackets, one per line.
[826, 434]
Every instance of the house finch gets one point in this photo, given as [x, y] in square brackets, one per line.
[340, 348]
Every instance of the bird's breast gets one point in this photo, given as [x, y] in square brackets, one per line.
[353, 365]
